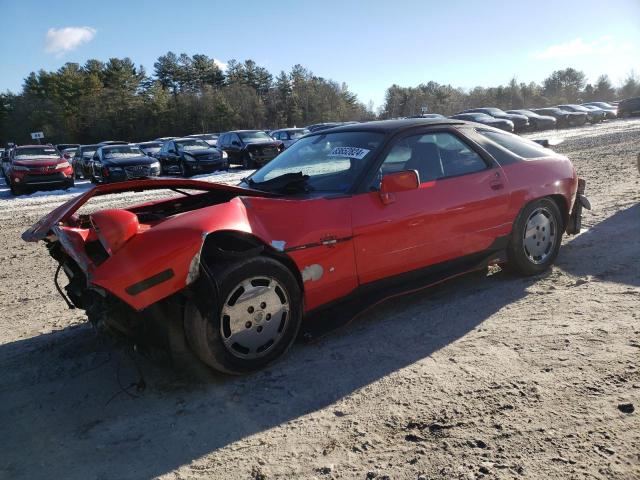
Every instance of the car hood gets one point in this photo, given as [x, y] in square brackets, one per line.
[37, 162]
[266, 143]
[42, 227]
[205, 152]
[129, 161]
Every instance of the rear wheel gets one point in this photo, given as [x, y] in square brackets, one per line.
[535, 238]
[253, 322]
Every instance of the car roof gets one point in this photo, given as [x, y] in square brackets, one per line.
[32, 146]
[387, 126]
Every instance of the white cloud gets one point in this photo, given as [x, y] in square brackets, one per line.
[221, 65]
[62, 40]
[578, 47]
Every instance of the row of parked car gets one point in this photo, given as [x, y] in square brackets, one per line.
[522, 120]
[37, 166]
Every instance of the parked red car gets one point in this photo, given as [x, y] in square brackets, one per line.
[32, 167]
[356, 212]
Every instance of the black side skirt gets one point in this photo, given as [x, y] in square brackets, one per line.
[335, 314]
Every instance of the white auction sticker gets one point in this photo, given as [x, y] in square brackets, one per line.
[350, 152]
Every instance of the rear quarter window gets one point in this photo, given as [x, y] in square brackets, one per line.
[521, 147]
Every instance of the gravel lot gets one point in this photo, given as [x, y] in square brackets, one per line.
[495, 377]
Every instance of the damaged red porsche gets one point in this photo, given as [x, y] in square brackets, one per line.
[341, 218]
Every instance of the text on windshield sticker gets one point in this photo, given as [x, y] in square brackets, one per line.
[350, 152]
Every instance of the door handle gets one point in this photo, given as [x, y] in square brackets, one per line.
[496, 185]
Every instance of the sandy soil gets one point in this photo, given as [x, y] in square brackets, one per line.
[495, 377]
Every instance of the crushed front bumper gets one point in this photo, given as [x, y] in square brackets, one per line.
[575, 219]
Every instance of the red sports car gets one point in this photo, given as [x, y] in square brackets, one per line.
[356, 212]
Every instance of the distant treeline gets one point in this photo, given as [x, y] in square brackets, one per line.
[189, 94]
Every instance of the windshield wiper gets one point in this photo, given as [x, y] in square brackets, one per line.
[288, 182]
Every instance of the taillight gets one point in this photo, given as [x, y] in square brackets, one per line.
[62, 165]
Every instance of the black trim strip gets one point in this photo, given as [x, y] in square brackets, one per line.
[328, 317]
[150, 282]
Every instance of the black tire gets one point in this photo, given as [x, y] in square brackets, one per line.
[184, 170]
[523, 256]
[247, 162]
[16, 190]
[206, 329]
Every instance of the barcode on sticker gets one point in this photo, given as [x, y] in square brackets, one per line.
[350, 152]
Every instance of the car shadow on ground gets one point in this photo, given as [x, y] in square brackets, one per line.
[609, 251]
[64, 412]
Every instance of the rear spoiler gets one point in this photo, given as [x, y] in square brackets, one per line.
[42, 227]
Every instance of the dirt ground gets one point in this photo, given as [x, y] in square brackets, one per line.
[496, 377]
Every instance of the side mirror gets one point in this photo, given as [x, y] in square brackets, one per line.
[235, 143]
[398, 182]
[171, 150]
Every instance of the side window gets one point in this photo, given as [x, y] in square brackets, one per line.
[235, 138]
[457, 157]
[520, 146]
[433, 156]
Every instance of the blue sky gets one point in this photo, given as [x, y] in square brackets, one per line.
[367, 44]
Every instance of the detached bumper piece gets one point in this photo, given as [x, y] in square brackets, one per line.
[575, 220]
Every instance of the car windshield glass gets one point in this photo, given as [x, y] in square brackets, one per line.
[194, 144]
[88, 153]
[255, 137]
[33, 153]
[121, 152]
[332, 161]
[148, 146]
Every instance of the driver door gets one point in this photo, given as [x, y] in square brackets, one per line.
[460, 208]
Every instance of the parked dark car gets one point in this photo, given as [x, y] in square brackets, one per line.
[151, 149]
[249, 148]
[288, 136]
[64, 146]
[628, 107]
[210, 138]
[611, 111]
[116, 163]
[81, 160]
[536, 121]
[592, 116]
[34, 167]
[190, 156]
[564, 118]
[520, 122]
[501, 123]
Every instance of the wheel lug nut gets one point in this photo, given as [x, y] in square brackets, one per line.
[250, 309]
[263, 305]
[247, 325]
[268, 317]
[259, 329]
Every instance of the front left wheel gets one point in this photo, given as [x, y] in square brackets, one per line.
[252, 321]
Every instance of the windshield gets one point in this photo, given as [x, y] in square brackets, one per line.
[33, 153]
[331, 161]
[255, 137]
[193, 144]
[121, 152]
